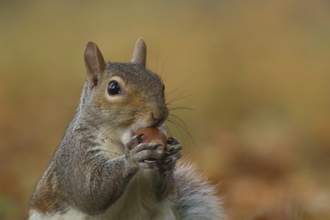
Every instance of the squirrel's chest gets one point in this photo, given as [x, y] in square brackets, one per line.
[139, 202]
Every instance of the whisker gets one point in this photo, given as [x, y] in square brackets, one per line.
[174, 90]
[178, 107]
[157, 59]
[168, 94]
[181, 125]
[178, 128]
[179, 97]
[167, 75]
[161, 71]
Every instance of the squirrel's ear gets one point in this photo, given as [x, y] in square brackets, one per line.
[94, 63]
[140, 53]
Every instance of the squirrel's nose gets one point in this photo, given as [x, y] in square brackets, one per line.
[159, 115]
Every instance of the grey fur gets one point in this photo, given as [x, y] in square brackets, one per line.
[95, 174]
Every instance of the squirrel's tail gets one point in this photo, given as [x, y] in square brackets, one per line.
[196, 196]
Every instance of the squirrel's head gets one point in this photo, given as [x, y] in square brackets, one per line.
[122, 97]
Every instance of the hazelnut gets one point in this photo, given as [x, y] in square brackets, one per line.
[153, 135]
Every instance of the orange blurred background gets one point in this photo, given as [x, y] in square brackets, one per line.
[256, 73]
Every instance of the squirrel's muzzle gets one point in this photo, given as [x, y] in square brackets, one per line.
[158, 116]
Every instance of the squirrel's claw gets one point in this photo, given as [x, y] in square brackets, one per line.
[146, 153]
[172, 149]
[149, 155]
[172, 141]
[135, 140]
[144, 147]
[173, 158]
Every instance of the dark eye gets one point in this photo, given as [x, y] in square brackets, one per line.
[114, 88]
[163, 87]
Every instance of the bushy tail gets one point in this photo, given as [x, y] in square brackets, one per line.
[196, 196]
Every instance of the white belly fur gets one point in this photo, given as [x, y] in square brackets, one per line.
[71, 214]
[138, 203]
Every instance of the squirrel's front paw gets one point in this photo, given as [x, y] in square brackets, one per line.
[172, 154]
[149, 156]
[143, 154]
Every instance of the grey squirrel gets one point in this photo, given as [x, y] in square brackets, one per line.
[101, 170]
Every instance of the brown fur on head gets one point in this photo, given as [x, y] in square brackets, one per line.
[124, 96]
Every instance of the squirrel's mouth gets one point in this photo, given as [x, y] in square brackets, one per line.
[131, 131]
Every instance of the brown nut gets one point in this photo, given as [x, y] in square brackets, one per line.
[153, 135]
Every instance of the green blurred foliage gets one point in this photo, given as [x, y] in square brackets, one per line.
[256, 74]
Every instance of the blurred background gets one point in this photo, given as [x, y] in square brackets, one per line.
[255, 74]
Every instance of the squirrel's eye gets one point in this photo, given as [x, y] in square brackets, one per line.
[163, 87]
[114, 88]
